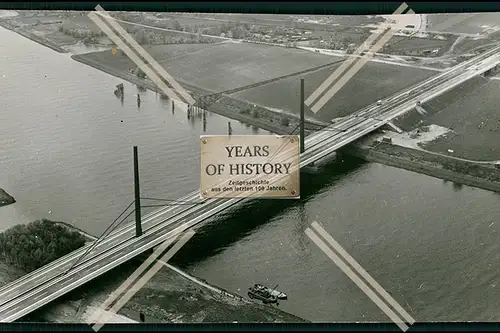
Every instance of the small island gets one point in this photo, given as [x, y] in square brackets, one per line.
[31, 246]
[5, 198]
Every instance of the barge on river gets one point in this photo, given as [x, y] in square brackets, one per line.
[266, 294]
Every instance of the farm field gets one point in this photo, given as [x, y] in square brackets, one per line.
[469, 23]
[471, 112]
[299, 21]
[120, 61]
[373, 82]
[415, 46]
[223, 66]
[230, 65]
[46, 24]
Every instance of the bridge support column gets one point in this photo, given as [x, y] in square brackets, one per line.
[302, 118]
[138, 220]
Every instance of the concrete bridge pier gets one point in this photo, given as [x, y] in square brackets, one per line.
[316, 166]
[421, 110]
[390, 126]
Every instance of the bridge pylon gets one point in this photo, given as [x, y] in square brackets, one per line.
[302, 118]
[138, 220]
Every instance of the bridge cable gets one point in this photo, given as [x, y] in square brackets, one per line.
[171, 200]
[172, 204]
[103, 235]
[95, 243]
[112, 228]
[283, 144]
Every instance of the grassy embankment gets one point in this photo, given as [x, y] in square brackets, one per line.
[30, 35]
[470, 112]
[466, 154]
[228, 106]
[223, 67]
[169, 296]
[461, 172]
[60, 29]
[264, 120]
[240, 110]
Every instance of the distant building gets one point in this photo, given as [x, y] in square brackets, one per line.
[386, 139]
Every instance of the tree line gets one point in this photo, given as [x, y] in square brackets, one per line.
[31, 246]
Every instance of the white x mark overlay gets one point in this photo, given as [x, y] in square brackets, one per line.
[180, 94]
[315, 237]
[101, 316]
[384, 28]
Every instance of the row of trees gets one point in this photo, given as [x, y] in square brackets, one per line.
[87, 36]
[337, 42]
[234, 30]
[254, 112]
[158, 38]
[30, 246]
[141, 35]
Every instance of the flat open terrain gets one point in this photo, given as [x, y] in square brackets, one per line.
[299, 21]
[415, 46]
[373, 82]
[473, 115]
[467, 23]
[231, 65]
[226, 66]
[223, 66]
[471, 112]
[160, 53]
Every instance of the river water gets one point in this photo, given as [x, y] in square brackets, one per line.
[67, 155]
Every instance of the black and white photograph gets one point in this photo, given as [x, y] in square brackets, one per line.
[168, 167]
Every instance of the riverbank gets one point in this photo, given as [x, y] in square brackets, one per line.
[38, 39]
[227, 106]
[5, 198]
[461, 172]
[171, 296]
[88, 237]
[268, 120]
[259, 116]
[224, 105]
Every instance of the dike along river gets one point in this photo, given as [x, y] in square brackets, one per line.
[66, 154]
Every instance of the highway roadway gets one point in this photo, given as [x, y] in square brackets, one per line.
[46, 284]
